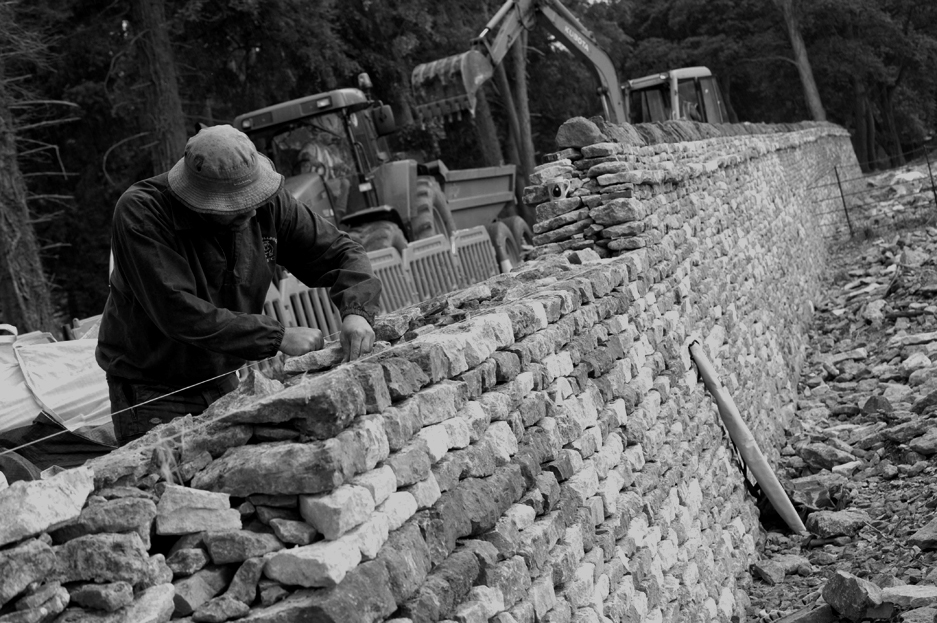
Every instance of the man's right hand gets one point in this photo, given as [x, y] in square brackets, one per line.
[300, 340]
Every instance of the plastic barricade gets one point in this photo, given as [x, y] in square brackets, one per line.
[476, 254]
[398, 290]
[432, 265]
[274, 307]
[311, 307]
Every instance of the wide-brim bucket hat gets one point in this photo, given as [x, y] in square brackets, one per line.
[222, 173]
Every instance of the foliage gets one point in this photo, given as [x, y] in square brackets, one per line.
[238, 55]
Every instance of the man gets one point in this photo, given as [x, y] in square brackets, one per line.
[195, 250]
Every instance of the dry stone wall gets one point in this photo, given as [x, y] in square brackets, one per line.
[535, 448]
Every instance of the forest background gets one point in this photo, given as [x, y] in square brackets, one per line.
[96, 94]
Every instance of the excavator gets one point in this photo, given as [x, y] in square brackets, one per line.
[447, 87]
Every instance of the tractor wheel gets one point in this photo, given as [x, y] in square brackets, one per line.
[378, 235]
[506, 250]
[430, 212]
[15, 468]
[523, 235]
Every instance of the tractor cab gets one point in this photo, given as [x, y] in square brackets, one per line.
[690, 93]
[328, 146]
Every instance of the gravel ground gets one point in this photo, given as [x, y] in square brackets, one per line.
[862, 461]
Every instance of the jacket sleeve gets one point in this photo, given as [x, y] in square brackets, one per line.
[322, 256]
[154, 269]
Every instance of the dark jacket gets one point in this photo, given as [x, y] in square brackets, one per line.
[186, 300]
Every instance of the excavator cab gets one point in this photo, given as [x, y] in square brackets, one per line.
[690, 93]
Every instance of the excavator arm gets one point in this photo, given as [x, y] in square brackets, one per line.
[449, 86]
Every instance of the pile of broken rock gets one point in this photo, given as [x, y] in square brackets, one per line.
[861, 462]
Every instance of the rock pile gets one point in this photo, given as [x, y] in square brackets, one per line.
[862, 463]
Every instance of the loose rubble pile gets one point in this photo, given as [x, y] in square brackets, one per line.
[863, 464]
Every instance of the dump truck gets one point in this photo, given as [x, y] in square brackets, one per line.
[447, 87]
[332, 149]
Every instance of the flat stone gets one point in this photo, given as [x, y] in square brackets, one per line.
[926, 444]
[324, 563]
[910, 596]
[119, 515]
[850, 596]
[239, 545]
[919, 615]
[244, 585]
[293, 532]
[926, 537]
[39, 606]
[31, 507]
[154, 605]
[198, 588]
[325, 404]
[314, 361]
[579, 132]
[828, 524]
[184, 510]
[102, 558]
[337, 512]
[823, 456]
[276, 469]
[107, 597]
[220, 609]
[381, 482]
[187, 561]
[23, 565]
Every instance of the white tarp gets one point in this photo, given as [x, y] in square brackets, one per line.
[60, 378]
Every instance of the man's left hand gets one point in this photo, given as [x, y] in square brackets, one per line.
[357, 337]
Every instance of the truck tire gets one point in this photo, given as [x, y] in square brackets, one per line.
[378, 235]
[430, 212]
[523, 235]
[506, 250]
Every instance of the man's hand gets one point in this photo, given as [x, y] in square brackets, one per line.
[357, 337]
[301, 340]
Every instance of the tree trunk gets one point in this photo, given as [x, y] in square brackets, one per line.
[526, 158]
[487, 132]
[891, 139]
[860, 139]
[25, 301]
[811, 93]
[162, 108]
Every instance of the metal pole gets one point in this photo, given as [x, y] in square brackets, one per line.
[845, 209]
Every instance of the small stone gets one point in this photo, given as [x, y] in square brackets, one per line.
[183, 510]
[239, 545]
[198, 588]
[324, 563]
[926, 537]
[102, 558]
[828, 524]
[851, 596]
[293, 532]
[220, 609]
[244, 585]
[107, 597]
[335, 513]
[910, 596]
[187, 561]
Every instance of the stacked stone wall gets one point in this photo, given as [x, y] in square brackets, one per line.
[533, 448]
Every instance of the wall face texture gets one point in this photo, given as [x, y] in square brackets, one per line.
[543, 453]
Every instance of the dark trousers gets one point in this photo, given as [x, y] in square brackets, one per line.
[137, 407]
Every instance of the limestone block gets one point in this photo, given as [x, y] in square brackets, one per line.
[401, 423]
[31, 507]
[370, 376]
[221, 608]
[106, 597]
[500, 438]
[120, 515]
[364, 443]
[399, 507]
[243, 586]
[23, 565]
[370, 536]
[187, 561]
[542, 595]
[277, 469]
[437, 441]
[323, 404]
[458, 431]
[102, 558]
[198, 588]
[441, 401]
[476, 417]
[182, 510]
[153, 605]
[381, 482]
[239, 545]
[324, 563]
[335, 513]
[521, 515]
[293, 532]
[425, 492]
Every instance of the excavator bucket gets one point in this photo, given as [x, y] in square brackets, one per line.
[446, 87]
